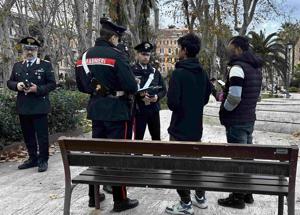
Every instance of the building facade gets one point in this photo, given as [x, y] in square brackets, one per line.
[167, 48]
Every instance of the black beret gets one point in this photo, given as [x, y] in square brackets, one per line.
[31, 41]
[144, 47]
[118, 29]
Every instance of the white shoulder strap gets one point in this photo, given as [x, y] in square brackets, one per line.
[150, 79]
[85, 66]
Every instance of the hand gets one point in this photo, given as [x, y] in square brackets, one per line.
[143, 94]
[154, 98]
[31, 89]
[146, 99]
[21, 86]
[137, 80]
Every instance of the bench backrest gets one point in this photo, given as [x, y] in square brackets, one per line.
[188, 156]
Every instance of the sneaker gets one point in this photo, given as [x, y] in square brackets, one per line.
[181, 208]
[248, 198]
[199, 202]
[232, 201]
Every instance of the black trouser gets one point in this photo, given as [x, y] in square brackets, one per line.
[151, 119]
[35, 133]
[185, 195]
[110, 130]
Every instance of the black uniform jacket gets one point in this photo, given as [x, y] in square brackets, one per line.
[110, 66]
[39, 73]
[143, 75]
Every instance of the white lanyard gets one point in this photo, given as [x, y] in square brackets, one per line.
[85, 66]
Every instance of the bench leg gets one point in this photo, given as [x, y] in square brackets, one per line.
[291, 203]
[280, 204]
[68, 194]
[97, 196]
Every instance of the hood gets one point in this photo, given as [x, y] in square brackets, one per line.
[247, 57]
[190, 64]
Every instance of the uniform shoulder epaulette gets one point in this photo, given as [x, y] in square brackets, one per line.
[118, 50]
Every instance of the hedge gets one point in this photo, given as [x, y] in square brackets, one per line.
[64, 115]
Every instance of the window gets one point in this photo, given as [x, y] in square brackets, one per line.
[176, 51]
[171, 42]
[170, 51]
[161, 50]
[167, 42]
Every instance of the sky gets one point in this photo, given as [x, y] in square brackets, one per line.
[291, 7]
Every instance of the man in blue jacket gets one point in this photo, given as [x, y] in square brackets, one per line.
[189, 91]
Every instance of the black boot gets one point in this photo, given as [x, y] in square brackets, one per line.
[31, 162]
[233, 201]
[125, 205]
[43, 166]
[248, 198]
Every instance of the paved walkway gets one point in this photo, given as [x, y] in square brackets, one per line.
[29, 192]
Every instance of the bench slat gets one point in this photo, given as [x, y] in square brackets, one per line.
[193, 149]
[180, 163]
[207, 173]
[175, 184]
[187, 178]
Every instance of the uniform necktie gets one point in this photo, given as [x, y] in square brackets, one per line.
[29, 64]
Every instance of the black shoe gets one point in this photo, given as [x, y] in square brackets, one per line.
[43, 166]
[92, 200]
[125, 205]
[28, 164]
[108, 189]
[232, 201]
[248, 198]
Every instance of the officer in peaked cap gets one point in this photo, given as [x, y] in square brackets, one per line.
[144, 47]
[147, 103]
[103, 71]
[33, 79]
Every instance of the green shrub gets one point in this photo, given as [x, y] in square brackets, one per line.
[65, 105]
[65, 114]
[9, 124]
[293, 89]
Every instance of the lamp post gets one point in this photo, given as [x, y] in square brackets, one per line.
[289, 48]
[273, 73]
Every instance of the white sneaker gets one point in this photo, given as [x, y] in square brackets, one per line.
[199, 202]
[181, 208]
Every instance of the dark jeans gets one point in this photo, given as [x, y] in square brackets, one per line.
[151, 119]
[240, 133]
[185, 195]
[35, 133]
[110, 130]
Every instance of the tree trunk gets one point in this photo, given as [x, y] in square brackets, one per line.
[6, 54]
[80, 24]
[89, 34]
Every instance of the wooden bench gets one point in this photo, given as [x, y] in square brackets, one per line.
[269, 170]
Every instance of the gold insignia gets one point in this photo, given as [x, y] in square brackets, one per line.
[147, 45]
[30, 41]
[98, 87]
